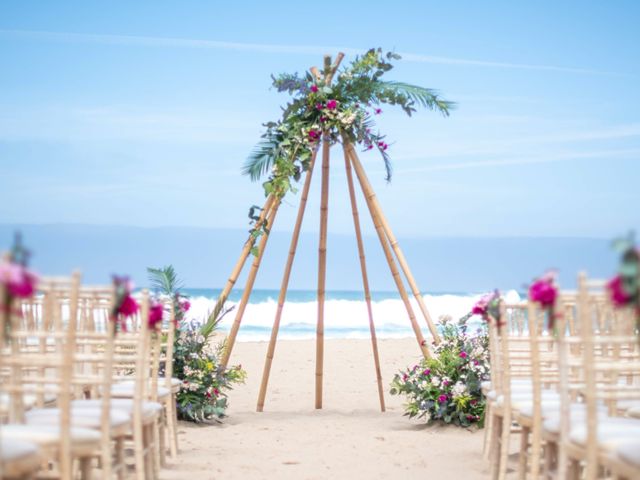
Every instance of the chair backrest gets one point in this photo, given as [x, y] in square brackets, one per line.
[610, 357]
[38, 367]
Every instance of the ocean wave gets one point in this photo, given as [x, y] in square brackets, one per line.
[344, 318]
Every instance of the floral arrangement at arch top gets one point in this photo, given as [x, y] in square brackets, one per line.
[447, 387]
[321, 110]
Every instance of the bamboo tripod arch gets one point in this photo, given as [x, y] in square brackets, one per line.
[388, 241]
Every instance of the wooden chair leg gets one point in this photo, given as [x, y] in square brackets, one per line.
[494, 445]
[488, 427]
[161, 433]
[139, 456]
[523, 456]
[505, 437]
[119, 456]
[172, 420]
[85, 468]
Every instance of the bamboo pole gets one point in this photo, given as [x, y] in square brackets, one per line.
[365, 278]
[246, 250]
[322, 269]
[371, 197]
[284, 286]
[248, 288]
[387, 252]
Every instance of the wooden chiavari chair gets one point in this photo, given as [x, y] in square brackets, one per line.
[92, 366]
[39, 368]
[610, 357]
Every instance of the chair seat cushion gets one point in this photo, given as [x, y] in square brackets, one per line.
[12, 449]
[524, 399]
[83, 440]
[83, 418]
[127, 390]
[634, 412]
[630, 452]
[149, 409]
[612, 431]
[28, 400]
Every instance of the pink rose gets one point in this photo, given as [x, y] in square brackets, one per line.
[617, 293]
[185, 305]
[128, 306]
[544, 291]
[442, 398]
[155, 314]
[332, 104]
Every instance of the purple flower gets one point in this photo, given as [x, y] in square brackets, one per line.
[426, 372]
[185, 305]
[319, 106]
[332, 104]
[378, 111]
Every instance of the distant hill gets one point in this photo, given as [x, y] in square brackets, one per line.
[204, 257]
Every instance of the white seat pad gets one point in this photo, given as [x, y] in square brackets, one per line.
[12, 449]
[127, 390]
[84, 418]
[630, 452]
[612, 431]
[49, 435]
[149, 409]
[634, 412]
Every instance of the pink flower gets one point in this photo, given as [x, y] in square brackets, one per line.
[405, 377]
[544, 291]
[332, 104]
[185, 305]
[319, 106]
[463, 355]
[314, 88]
[426, 372]
[314, 134]
[216, 392]
[442, 398]
[128, 306]
[378, 111]
[323, 119]
[155, 314]
[617, 293]
[20, 282]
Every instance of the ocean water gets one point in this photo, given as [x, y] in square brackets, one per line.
[345, 312]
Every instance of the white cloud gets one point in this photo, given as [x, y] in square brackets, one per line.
[169, 42]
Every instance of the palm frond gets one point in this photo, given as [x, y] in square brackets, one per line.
[425, 97]
[215, 317]
[261, 159]
[164, 280]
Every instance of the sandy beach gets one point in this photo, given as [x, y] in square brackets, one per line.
[349, 438]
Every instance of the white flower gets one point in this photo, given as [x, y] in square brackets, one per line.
[435, 381]
[459, 389]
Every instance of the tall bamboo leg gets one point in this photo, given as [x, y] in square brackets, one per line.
[370, 194]
[365, 279]
[322, 269]
[392, 264]
[246, 250]
[284, 286]
[231, 339]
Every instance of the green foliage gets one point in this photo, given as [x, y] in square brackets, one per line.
[447, 387]
[331, 112]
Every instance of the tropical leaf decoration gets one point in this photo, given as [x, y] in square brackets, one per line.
[164, 280]
[344, 109]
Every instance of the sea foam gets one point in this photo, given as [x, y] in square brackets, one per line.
[344, 318]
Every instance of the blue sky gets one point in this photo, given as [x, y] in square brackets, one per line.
[142, 113]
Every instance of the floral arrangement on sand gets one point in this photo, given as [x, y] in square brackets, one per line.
[447, 387]
[336, 106]
[203, 393]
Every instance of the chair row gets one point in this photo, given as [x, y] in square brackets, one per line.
[566, 379]
[83, 384]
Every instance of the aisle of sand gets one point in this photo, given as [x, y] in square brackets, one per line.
[348, 439]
